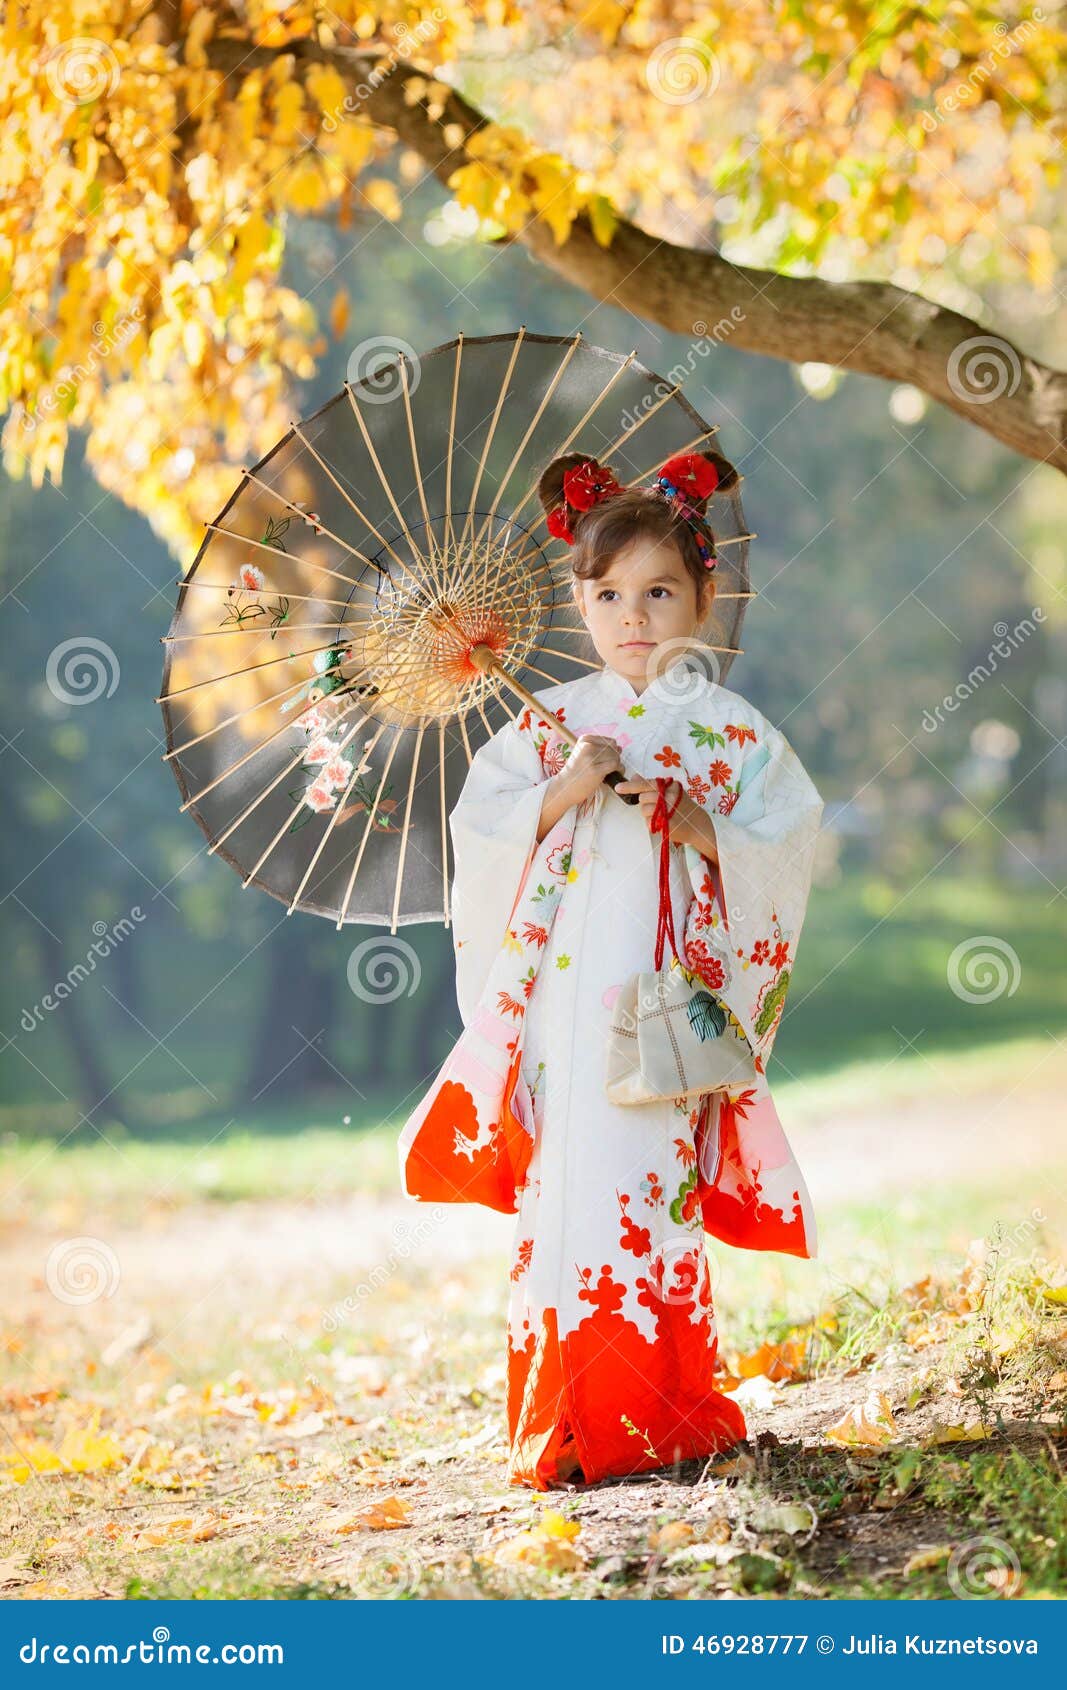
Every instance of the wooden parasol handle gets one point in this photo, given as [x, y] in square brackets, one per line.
[485, 659]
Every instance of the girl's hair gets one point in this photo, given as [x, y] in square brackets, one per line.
[610, 526]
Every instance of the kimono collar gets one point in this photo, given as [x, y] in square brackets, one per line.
[667, 688]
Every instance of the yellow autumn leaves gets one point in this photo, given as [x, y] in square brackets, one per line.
[509, 182]
[139, 185]
[84, 1449]
[551, 1545]
[871, 1424]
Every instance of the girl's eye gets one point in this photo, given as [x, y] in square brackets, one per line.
[609, 592]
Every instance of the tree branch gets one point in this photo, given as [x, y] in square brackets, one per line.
[874, 328]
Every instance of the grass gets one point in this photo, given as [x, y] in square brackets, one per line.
[872, 977]
[297, 1160]
[317, 1154]
[875, 956]
[231, 1439]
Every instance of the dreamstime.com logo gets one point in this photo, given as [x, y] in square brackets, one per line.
[984, 368]
[82, 70]
[378, 381]
[705, 343]
[63, 391]
[681, 670]
[984, 968]
[408, 1240]
[373, 1574]
[984, 1567]
[1008, 640]
[682, 70]
[158, 1649]
[82, 1270]
[107, 939]
[81, 670]
[681, 1272]
[382, 969]
[965, 93]
[410, 41]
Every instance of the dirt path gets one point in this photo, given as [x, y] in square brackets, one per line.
[977, 1124]
[890, 1145]
[272, 1371]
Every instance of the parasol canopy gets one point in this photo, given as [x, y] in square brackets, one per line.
[363, 609]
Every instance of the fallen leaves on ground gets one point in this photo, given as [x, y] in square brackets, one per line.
[869, 1425]
[84, 1449]
[962, 1432]
[924, 1559]
[781, 1363]
[786, 1518]
[131, 1478]
[670, 1536]
[549, 1545]
[379, 1517]
[186, 1530]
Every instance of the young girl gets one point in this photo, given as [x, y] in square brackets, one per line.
[611, 1339]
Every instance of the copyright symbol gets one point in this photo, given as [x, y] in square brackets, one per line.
[825, 1645]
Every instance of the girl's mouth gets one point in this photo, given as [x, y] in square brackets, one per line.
[642, 643]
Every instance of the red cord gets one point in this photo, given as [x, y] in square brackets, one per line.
[661, 816]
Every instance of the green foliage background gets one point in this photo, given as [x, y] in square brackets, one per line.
[887, 552]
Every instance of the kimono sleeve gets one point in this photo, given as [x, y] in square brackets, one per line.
[745, 920]
[494, 836]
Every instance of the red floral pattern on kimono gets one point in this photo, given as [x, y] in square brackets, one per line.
[611, 1341]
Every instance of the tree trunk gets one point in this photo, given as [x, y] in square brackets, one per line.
[296, 1014]
[873, 327]
[94, 1086]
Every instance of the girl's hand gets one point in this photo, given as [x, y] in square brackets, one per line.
[689, 825]
[592, 758]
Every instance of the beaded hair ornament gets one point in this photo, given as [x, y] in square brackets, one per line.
[682, 481]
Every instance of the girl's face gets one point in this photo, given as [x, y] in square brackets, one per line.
[645, 597]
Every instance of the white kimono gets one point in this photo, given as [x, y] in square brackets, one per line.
[611, 1341]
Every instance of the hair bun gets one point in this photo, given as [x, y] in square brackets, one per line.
[699, 476]
[550, 485]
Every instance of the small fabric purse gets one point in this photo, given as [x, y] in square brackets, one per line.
[671, 1037]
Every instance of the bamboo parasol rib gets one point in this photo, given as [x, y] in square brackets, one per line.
[415, 602]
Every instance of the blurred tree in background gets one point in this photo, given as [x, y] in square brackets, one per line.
[211, 214]
[675, 159]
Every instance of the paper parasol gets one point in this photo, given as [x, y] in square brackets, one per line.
[362, 611]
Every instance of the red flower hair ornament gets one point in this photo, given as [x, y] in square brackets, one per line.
[584, 485]
[685, 481]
